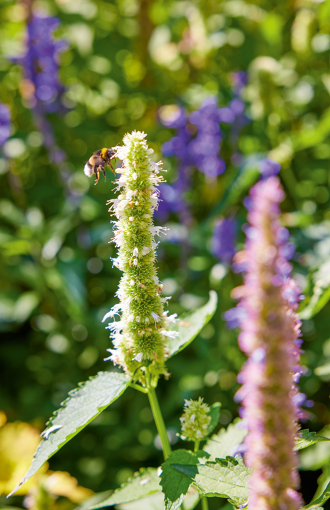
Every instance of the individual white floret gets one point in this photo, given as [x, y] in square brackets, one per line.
[170, 334]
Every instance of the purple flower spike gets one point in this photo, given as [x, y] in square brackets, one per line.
[172, 195]
[204, 149]
[269, 168]
[40, 63]
[223, 240]
[4, 124]
[270, 331]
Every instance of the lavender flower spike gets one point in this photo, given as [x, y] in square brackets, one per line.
[4, 124]
[269, 337]
[223, 240]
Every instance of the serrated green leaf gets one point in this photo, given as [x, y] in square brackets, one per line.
[214, 413]
[225, 441]
[143, 483]
[225, 478]
[319, 501]
[93, 500]
[307, 438]
[177, 476]
[191, 324]
[152, 502]
[81, 407]
[156, 502]
[322, 481]
[320, 291]
[318, 454]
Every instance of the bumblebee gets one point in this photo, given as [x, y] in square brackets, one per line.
[97, 162]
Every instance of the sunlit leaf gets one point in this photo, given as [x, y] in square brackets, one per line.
[320, 291]
[307, 438]
[319, 501]
[224, 478]
[191, 324]
[226, 440]
[178, 473]
[318, 454]
[143, 483]
[82, 406]
[214, 413]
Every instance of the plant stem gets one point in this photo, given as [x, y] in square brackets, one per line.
[205, 504]
[138, 387]
[196, 445]
[159, 421]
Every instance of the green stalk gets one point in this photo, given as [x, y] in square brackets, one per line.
[159, 421]
[138, 387]
[205, 504]
[196, 445]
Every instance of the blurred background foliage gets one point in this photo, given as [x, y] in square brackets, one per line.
[123, 61]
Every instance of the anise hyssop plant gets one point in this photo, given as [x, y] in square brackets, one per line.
[144, 337]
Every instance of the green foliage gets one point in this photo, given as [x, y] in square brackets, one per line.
[83, 405]
[214, 413]
[320, 500]
[153, 502]
[307, 438]
[156, 502]
[144, 483]
[191, 324]
[178, 473]
[223, 443]
[224, 478]
[318, 455]
[319, 294]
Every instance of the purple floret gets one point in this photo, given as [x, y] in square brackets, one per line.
[223, 240]
[4, 124]
[40, 62]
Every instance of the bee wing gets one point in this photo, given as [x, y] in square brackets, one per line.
[88, 170]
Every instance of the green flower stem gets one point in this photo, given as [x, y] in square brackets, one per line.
[196, 445]
[138, 387]
[159, 421]
[205, 504]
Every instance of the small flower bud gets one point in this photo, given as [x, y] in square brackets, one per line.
[195, 419]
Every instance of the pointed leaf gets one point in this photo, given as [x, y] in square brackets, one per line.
[178, 474]
[306, 438]
[83, 405]
[156, 502]
[225, 478]
[143, 483]
[319, 501]
[96, 498]
[191, 324]
[214, 412]
[226, 441]
[153, 502]
[320, 291]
